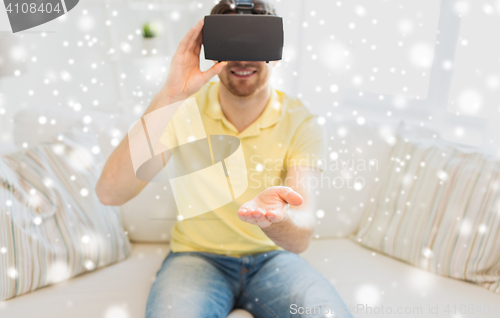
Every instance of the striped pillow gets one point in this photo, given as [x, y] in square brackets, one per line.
[438, 207]
[52, 226]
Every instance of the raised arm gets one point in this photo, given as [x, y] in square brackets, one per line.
[118, 183]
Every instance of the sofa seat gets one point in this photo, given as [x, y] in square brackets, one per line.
[362, 278]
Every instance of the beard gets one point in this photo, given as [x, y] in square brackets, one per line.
[243, 87]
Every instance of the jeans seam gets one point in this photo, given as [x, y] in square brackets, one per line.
[254, 263]
[222, 315]
[242, 279]
[258, 304]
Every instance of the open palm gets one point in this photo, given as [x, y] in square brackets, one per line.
[270, 206]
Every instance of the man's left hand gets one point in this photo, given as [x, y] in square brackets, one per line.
[270, 206]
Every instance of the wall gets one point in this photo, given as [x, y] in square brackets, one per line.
[421, 61]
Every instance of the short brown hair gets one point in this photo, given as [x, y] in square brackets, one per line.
[229, 6]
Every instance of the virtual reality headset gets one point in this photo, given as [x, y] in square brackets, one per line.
[243, 36]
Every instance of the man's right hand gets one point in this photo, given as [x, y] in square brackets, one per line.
[185, 76]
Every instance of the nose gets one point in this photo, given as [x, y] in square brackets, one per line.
[245, 63]
[250, 62]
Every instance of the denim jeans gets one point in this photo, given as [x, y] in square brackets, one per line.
[272, 284]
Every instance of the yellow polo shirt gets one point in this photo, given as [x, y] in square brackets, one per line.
[285, 134]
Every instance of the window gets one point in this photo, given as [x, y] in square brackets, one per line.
[437, 61]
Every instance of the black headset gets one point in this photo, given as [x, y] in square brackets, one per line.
[243, 36]
[244, 6]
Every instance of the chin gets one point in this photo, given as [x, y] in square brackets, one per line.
[242, 91]
[246, 89]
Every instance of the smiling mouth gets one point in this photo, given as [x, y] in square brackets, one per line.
[243, 74]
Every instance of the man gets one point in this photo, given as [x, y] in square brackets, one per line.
[243, 254]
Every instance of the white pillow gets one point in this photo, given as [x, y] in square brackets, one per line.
[437, 208]
[350, 146]
[355, 146]
[8, 147]
[149, 216]
[52, 223]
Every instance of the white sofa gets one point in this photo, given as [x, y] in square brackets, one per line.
[360, 276]
[373, 285]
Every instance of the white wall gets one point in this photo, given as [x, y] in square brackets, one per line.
[415, 60]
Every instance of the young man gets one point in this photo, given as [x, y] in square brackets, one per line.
[243, 254]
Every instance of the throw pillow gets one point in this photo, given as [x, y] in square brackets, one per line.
[438, 208]
[52, 225]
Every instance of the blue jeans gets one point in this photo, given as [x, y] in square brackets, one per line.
[272, 284]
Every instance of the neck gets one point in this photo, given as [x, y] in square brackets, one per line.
[242, 111]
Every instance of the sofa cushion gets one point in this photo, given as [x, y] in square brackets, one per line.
[356, 154]
[52, 224]
[375, 285]
[150, 215]
[119, 291]
[437, 207]
[359, 152]
[362, 278]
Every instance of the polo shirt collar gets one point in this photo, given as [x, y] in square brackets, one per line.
[269, 117]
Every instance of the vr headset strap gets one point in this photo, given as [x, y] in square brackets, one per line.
[244, 6]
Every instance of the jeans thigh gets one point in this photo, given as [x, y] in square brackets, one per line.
[285, 285]
[189, 285]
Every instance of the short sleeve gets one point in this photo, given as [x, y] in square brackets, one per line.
[184, 126]
[308, 146]
[169, 137]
